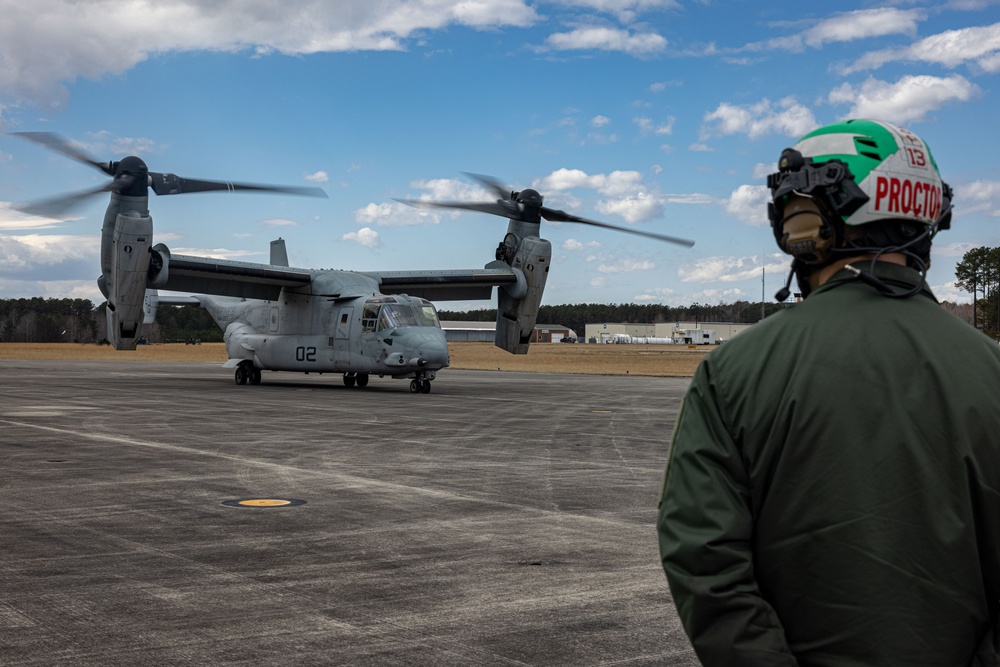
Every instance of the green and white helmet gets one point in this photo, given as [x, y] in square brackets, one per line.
[892, 166]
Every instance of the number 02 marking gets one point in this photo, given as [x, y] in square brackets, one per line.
[305, 353]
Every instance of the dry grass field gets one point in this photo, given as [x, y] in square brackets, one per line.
[653, 360]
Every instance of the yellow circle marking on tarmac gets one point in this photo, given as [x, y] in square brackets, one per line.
[265, 502]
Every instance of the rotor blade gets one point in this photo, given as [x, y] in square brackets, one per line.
[500, 208]
[57, 207]
[58, 144]
[562, 216]
[498, 188]
[171, 184]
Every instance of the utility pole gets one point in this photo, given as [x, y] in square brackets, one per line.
[762, 270]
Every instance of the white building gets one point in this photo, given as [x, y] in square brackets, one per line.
[675, 331]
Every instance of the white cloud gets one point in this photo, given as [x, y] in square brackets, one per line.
[273, 222]
[953, 249]
[600, 121]
[574, 245]
[52, 289]
[451, 189]
[634, 208]
[844, 27]
[732, 269]
[654, 294]
[48, 42]
[394, 214]
[627, 266]
[49, 257]
[365, 236]
[216, 253]
[978, 197]
[624, 193]
[648, 126]
[951, 292]
[749, 204]
[607, 39]
[624, 10]
[614, 184]
[318, 177]
[12, 219]
[909, 99]
[979, 45]
[862, 24]
[786, 117]
[762, 170]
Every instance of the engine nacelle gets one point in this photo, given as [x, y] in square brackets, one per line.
[129, 271]
[517, 308]
[159, 266]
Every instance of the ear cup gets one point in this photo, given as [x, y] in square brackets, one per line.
[804, 233]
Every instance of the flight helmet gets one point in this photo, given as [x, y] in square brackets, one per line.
[841, 177]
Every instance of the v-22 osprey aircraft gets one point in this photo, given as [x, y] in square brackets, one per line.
[276, 317]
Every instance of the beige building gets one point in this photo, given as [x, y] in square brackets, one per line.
[664, 332]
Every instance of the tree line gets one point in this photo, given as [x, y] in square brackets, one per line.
[979, 274]
[38, 320]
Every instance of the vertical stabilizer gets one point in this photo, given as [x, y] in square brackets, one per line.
[279, 256]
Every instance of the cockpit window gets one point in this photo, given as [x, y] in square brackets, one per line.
[395, 315]
[426, 314]
[369, 318]
[387, 312]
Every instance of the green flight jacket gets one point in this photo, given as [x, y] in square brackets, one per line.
[832, 495]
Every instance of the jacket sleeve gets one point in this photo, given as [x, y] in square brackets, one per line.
[705, 529]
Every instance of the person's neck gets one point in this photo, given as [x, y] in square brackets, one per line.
[824, 274]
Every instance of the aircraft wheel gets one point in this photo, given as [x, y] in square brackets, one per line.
[349, 380]
[362, 380]
[414, 386]
[241, 375]
[253, 375]
[425, 387]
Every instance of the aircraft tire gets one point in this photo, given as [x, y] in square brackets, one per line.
[362, 380]
[241, 375]
[414, 387]
[349, 380]
[253, 375]
[425, 387]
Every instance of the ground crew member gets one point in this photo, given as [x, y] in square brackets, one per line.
[832, 495]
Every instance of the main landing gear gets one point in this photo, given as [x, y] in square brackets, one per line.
[420, 386]
[247, 372]
[359, 380]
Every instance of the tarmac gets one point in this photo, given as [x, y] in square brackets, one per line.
[159, 514]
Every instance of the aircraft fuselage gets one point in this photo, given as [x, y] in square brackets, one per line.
[395, 335]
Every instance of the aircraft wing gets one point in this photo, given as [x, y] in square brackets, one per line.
[447, 285]
[203, 275]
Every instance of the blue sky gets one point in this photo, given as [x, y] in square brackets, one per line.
[665, 115]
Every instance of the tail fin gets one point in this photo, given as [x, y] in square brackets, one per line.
[279, 256]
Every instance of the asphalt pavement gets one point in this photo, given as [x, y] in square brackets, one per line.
[159, 514]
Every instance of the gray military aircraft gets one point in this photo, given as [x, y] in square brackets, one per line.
[279, 318]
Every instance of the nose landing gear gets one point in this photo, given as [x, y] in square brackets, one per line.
[420, 386]
[247, 372]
